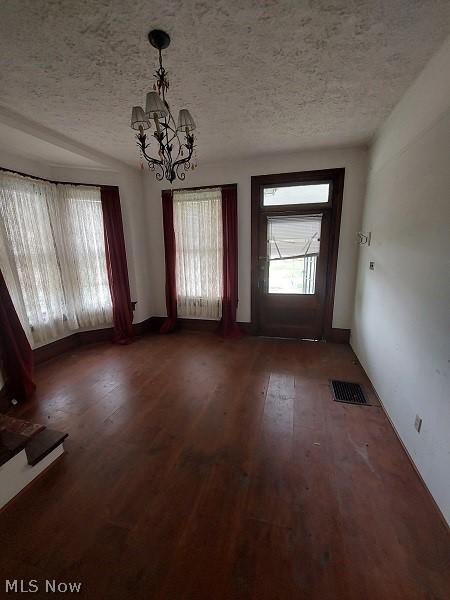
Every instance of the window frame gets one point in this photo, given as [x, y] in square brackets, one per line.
[198, 252]
[190, 189]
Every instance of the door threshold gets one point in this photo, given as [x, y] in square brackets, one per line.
[291, 339]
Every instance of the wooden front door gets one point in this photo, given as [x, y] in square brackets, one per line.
[295, 231]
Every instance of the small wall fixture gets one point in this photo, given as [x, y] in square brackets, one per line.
[364, 238]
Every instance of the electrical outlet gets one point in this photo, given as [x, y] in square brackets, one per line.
[372, 265]
[418, 423]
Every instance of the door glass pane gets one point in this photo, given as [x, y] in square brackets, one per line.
[293, 245]
[310, 193]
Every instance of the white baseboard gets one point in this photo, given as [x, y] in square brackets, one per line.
[16, 474]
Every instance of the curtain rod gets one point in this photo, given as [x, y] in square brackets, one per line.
[202, 187]
[58, 182]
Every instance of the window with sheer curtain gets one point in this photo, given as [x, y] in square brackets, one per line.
[197, 218]
[52, 255]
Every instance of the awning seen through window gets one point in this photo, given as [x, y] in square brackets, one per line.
[293, 245]
[293, 237]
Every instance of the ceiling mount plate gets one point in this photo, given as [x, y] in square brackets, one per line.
[159, 39]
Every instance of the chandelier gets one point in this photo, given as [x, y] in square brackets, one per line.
[174, 142]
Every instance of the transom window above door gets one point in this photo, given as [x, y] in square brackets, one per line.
[301, 193]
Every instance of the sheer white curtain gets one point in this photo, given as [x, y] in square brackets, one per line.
[31, 255]
[197, 216]
[52, 256]
[10, 275]
[77, 220]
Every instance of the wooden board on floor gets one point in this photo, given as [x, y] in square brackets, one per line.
[205, 469]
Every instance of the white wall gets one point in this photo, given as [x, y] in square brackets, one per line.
[355, 162]
[401, 330]
[23, 165]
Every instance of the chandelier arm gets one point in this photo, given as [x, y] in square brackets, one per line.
[167, 150]
[173, 129]
[170, 140]
[166, 121]
[155, 165]
[185, 160]
[180, 145]
[159, 174]
[143, 146]
[176, 134]
[164, 148]
[168, 165]
[182, 175]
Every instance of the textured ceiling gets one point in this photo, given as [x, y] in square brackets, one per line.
[259, 76]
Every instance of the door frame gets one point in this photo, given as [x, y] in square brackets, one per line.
[336, 177]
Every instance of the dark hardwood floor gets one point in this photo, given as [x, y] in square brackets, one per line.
[210, 470]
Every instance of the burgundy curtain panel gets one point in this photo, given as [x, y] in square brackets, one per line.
[170, 322]
[116, 261]
[17, 355]
[228, 327]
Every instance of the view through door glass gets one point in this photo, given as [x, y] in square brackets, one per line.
[293, 244]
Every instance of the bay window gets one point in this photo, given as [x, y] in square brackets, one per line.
[52, 255]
